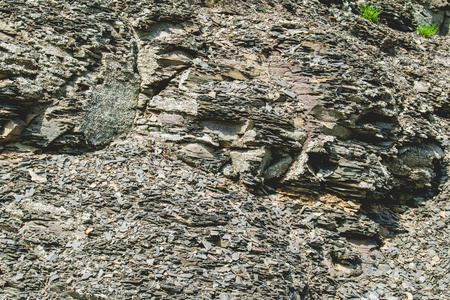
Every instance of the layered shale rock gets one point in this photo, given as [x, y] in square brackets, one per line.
[285, 105]
[68, 75]
[152, 120]
[299, 98]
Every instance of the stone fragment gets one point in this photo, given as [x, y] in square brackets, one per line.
[420, 87]
[275, 170]
[12, 130]
[36, 178]
[203, 156]
[250, 161]
[183, 105]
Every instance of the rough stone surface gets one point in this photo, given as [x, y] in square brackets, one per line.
[131, 221]
[332, 99]
[68, 73]
[232, 150]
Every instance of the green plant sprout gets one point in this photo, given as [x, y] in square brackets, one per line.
[215, 3]
[369, 12]
[427, 30]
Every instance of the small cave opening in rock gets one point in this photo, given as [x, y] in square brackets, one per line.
[374, 127]
[374, 117]
[444, 110]
[321, 163]
[368, 137]
[161, 85]
[400, 23]
[440, 169]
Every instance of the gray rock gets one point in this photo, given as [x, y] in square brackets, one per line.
[113, 105]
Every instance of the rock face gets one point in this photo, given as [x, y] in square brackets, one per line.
[150, 122]
[303, 98]
[68, 75]
[132, 222]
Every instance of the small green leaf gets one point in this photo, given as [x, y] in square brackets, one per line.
[427, 30]
[370, 12]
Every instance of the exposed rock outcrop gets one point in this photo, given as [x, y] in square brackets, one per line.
[296, 100]
[68, 75]
[150, 122]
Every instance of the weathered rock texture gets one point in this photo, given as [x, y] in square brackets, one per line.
[168, 102]
[68, 74]
[131, 221]
[302, 98]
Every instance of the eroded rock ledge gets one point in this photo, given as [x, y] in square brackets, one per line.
[301, 98]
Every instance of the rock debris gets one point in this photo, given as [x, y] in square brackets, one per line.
[226, 150]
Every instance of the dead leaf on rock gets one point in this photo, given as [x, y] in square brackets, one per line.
[36, 178]
[442, 214]
[409, 296]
